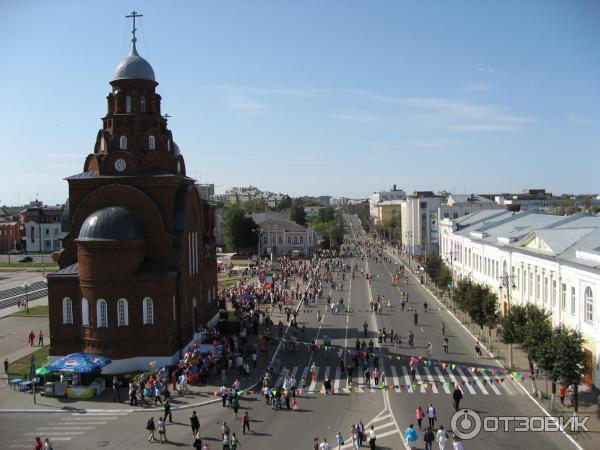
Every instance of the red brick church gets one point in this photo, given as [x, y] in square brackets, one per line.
[138, 270]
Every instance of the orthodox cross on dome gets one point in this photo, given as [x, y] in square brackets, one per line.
[166, 117]
[133, 15]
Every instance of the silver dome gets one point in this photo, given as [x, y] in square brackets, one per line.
[134, 67]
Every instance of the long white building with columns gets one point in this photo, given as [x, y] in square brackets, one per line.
[552, 261]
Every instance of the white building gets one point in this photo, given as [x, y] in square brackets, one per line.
[40, 228]
[552, 261]
[384, 196]
[285, 238]
[419, 219]
[312, 212]
[458, 205]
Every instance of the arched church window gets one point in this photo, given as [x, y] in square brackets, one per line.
[151, 143]
[128, 104]
[67, 306]
[148, 311]
[101, 314]
[123, 143]
[85, 313]
[143, 104]
[122, 313]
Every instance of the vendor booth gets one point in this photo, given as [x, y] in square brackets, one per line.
[79, 376]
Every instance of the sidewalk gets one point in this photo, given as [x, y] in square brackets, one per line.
[198, 395]
[588, 397]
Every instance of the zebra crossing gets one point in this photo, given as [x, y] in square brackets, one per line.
[398, 378]
[68, 426]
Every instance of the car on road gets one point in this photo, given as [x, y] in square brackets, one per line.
[25, 259]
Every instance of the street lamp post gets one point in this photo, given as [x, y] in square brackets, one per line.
[25, 286]
[506, 284]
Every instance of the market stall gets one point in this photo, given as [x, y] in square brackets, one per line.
[80, 376]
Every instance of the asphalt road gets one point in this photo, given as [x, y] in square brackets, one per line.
[389, 411]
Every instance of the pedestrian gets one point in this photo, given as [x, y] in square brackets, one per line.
[411, 436]
[360, 429]
[316, 444]
[115, 386]
[456, 443]
[226, 441]
[162, 430]
[41, 338]
[151, 427]
[132, 396]
[442, 437]
[443, 328]
[224, 429]
[372, 437]
[6, 364]
[294, 404]
[206, 447]
[478, 350]
[168, 412]
[429, 349]
[431, 415]
[354, 434]
[446, 345]
[38, 444]
[48, 444]
[156, 392]
[428, 438]
[195, 424]
[31, 338]
[313, 372]
[234, 442]
[235, 405]
[246, 423]
[457, 396]
[324, 445]
[339, 440]
[419, 415]
[562, 391]
[197, 443]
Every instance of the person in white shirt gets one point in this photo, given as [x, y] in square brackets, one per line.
[442, 437]
[372, 437]
[431, 415]
[324, 445]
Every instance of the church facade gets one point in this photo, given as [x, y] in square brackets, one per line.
[138, 272]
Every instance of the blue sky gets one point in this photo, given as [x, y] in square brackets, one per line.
[315, 97]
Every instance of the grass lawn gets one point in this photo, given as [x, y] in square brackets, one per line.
[227, 283]
[40, 310]
[20, 367]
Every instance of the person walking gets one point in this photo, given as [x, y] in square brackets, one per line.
[431, 415]
[168, 412]
[478, 350]
[48, 444]
[428, 438]
[150, 426]
[313, 372]
[360, 430]
[445, 345]
[31, 338]
[226, 441]
[419, 415]
[38, 444]
[6, 364]
[457, 396]
[354, 434]
[234, 442]
[132, 396]
[339, 440]
[115, 386]
[456, 443]
[235, 405]
[411, 436]
[41, 338]
[195, 425]
[246, 423]
[162, 430]
[324, 445]
[372, 437]
[442, 437]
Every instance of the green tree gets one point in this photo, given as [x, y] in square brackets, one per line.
[298, 215]
[443, 278]
[241, 232]
[433, 264]
[326, 214]
[570, 361]
[285, 203]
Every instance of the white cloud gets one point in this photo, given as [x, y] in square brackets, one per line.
[245, 103]
[482, 69]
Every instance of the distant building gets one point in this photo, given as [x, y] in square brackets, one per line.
[10, 235]
[40, 228]
[207, 191]
[338, 201]
[377, 197]
[312, 212]
[387, 210]
[285, 238]
[419, 218]
[260, 217]
[458, 205]
[324, 200]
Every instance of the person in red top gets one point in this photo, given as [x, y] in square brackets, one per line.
[561, 393]
[31, 337]
[38, 444]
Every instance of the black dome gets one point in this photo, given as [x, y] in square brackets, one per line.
[112, 223]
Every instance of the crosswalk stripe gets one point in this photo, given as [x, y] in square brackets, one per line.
[420, 381]
[395, 378]
[51, 433]
[479, 383]
[313, 383]
[466, 380]
[442, 380]
[407, 380]
[78, 423]
[64, 428]
[303, 377]
[490, 382]
[336, 382]
[361, 382]
[431, 380]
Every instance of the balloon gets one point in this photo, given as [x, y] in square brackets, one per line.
[152, 364]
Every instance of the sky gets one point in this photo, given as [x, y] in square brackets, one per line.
[338, 98]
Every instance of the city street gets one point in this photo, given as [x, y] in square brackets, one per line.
[390, 411]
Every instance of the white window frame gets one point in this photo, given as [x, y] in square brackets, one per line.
[148, 311]
[85, 312]
[588, 305]
[128, 104]
[563, 296]
[67, 307]
[122, 313]
[123, 142]
[101, 313]
[151, 142]
[573, 300]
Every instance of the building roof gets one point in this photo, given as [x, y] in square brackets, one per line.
[134, 67]
[112, 223]
[286, 225]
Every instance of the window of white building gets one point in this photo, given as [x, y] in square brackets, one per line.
[67, 306]
[589, 305]
[563, 296]
[122, 313]
[573, 301]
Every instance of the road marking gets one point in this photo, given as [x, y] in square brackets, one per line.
[419, 380]
[442, 380]
[491, 383]
[88, 418]
[313, 384]
[395, 379]
[361, 382]
[431, 380]
[51, 433]
[407, 380]
[336, 383]
[78, 423]
[64, 428]
[464, 378]
[479, 383]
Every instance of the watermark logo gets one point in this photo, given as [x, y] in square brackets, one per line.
[467, 423]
